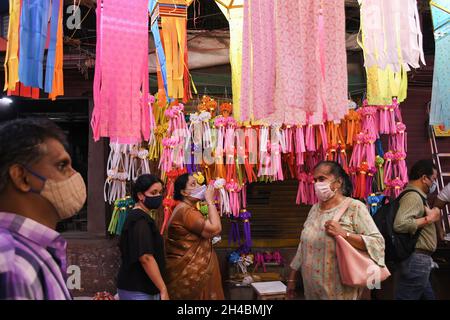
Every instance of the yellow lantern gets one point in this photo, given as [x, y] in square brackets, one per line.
[173, 14]
[234, 12]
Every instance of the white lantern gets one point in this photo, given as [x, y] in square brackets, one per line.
[227, 5]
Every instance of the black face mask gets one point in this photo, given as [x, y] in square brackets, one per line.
[153, 202]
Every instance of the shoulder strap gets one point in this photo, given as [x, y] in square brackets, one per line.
[424, 200]
[341, 211]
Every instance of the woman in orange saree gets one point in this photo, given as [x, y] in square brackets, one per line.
[192, 266]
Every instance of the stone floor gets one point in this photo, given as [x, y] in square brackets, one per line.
[99, 260]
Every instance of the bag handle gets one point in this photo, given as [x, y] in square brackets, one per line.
[344, 208]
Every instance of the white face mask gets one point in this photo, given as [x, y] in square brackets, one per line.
[199, 193]
[323, 191]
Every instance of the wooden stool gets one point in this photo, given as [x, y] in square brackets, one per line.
[270, 290]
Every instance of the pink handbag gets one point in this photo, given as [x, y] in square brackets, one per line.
[356, 267]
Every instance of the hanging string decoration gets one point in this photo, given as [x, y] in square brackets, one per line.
[121, 208]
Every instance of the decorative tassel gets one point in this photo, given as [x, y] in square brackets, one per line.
[375, 202]
[302, 194]
[234, 237]
[356, 158]
[205, 117]
[369, 148]
[224, 201]
[288, 135]
[168, 156]
[169, 204]
[396, 186]
[114, 218]
[275, 154]
[387, 119]
[369, 183]
[342, 157]
[300, 147]
[323, 137]
[119, 215]
[220, 123]
[396, 110]
[233, 192]
[259, 261]
[368, 117]
[398, 142]
[401, 163]
[251, 153]
[392, 114]
[118, 168]
[143, 157]
[379, 148]
[361, 181]
[388, 158]
[310, 140]
[264, 159]
[245, 217]
[155, 146]
[230, 149]
[175, 114]
[195, 131]
[289, 159]
[352, 124]
[379, 162]
[312, 194]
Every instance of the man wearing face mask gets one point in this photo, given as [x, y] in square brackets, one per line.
[193, 271]
[38, 188]
[413, 281]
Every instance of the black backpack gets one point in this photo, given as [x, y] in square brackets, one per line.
[398, 246]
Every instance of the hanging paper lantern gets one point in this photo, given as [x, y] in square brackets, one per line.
[173, 15]
[233, 10]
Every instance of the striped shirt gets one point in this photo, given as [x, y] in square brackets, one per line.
[32, 260]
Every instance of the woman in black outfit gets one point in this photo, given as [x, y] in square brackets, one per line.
[142, 246]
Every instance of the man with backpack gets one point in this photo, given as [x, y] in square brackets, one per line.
[415, 218]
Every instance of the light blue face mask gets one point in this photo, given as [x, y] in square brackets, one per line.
[199, 193]
[433, 187]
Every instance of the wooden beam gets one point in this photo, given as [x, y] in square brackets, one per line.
[97, 208]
